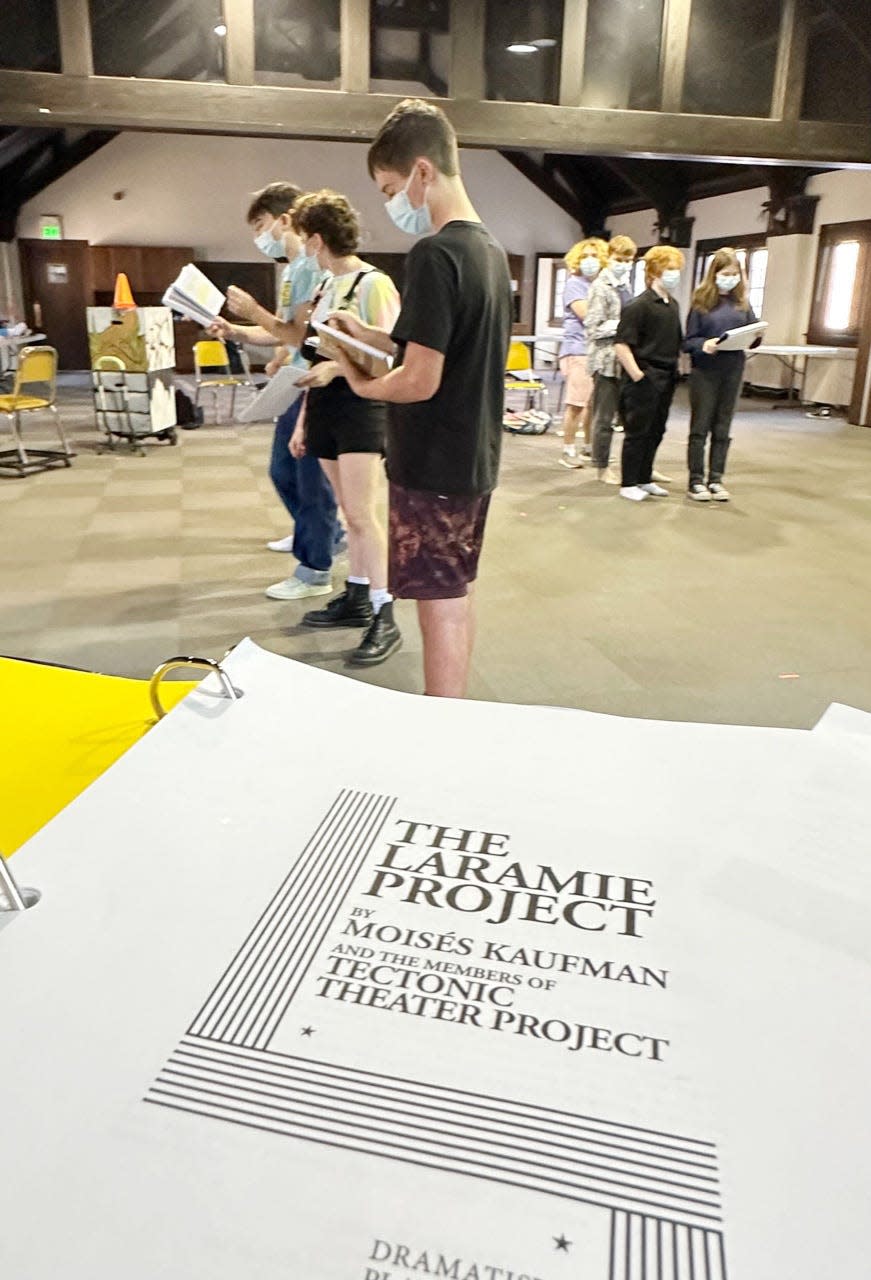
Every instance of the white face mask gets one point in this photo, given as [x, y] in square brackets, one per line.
[726, 281]
[589, 267]
[670, 279]
[416, 222]
[268, 244]
[619, 270]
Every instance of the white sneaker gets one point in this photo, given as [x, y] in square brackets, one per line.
[281, 544]
[698, 493]
[586, 451]
[655, 490]
[719, 492]
[607, 476]
[571, 459]
[661, 477]
[295, 589]
[633, 492]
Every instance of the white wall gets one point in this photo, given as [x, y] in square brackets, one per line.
[181, 189]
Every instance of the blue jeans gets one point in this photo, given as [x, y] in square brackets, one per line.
[308, 496]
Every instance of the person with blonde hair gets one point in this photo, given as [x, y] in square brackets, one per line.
[583, 262]
[719, 303]
[648, 344]
[608, 295]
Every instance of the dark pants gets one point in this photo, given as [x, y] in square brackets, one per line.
[645, 407]
[713, 396]
[606, 396]
[308, 496]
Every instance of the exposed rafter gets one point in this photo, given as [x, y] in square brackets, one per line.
[110, 102]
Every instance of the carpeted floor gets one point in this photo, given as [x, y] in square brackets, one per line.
[755, 611]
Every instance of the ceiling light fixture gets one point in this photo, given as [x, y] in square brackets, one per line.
[221, 28]
[45, 111]
[545, 43]
[522, 46]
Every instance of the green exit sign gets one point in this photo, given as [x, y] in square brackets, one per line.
[50, 229]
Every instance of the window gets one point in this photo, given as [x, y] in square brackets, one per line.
[557, 290]
[410, 48]
[523, 39]
[837, 83]
[751, 252]
[621, 55]
[296, 43]
[637, 282]
[731, 55]
[158, 40]
[29, 36]
[843, 275]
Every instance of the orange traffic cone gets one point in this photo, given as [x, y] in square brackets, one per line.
[123, 297]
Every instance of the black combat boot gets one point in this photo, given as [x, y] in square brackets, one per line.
[382, 639]
[352, 608]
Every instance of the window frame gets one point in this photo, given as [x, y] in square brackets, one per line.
[831, 235]
[557, 317]
[749, 242]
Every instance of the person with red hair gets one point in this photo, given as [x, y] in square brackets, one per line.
[647, 345]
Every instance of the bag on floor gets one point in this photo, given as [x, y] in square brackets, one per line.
[187, 414]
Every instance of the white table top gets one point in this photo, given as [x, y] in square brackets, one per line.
[832, 353]
[24, 340]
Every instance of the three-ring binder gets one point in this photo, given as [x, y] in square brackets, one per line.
[200, 664]
[20, 899]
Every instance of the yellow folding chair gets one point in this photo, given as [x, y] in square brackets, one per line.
[212, 369]
[519, 375]
[35, 391]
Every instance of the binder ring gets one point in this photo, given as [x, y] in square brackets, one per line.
[18, 899]
[201, 664]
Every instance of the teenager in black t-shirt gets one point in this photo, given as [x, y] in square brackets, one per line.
[647, 344]
[446, 392]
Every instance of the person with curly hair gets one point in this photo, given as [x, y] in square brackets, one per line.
[647, 345]
[345, 431]
[583, 262]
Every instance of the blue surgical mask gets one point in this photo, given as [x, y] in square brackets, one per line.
[589, 267]
[267, 243]
[416, 222]
[670, 279]
[726, 282]
[619, 270]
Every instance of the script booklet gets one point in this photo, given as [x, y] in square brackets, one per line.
[193, 296]
[332, 982]
[743, 337]
[279, 394]
[368, 359]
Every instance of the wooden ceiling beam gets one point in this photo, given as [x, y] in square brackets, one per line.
[259, 110]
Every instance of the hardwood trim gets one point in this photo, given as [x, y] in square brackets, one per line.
[111, 102]
[467, 74]
[789, 73]
[355, 39]
[673, 55]
[239, 41]
[574, 42]
[74, 30]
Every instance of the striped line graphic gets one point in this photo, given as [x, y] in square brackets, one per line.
[255, 991]
[647, 1248]
[638, 1171]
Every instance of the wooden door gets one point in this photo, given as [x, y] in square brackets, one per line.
[56, 280]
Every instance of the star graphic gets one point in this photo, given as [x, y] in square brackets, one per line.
[307, 1031]
[562, 1243]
